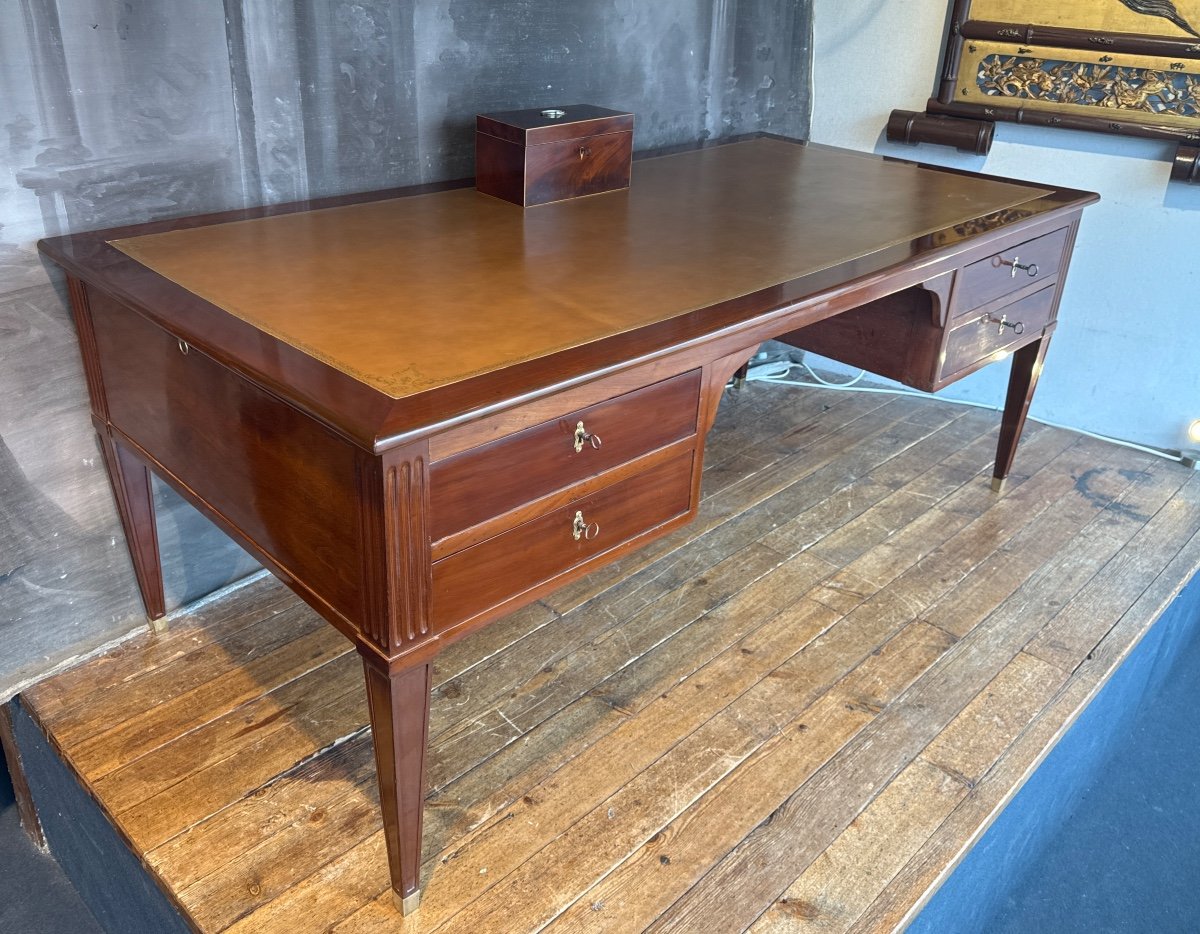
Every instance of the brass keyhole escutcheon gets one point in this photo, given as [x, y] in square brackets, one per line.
[1017, 327]
[584, 152]
[581, 528]
[583, 436]
[1014, 264]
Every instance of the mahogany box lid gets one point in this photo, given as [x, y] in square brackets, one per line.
[543, 125]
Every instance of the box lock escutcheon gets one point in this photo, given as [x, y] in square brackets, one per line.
[581, 528]
[583, 436]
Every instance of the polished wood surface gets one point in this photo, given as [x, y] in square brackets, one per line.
[994, 332]
[373, 419]
[531, 127]
[493, 478]
[898, 336]
[810, 700]
[282, 482]
[577, 168]
[309, 378]
[506, 566]
[400, 744]
[694, 230]
[532, 157]
[995, 276]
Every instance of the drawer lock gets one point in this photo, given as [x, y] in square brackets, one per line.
[1018, 327]
[583, 436]
[581, 528]
[1014, 264]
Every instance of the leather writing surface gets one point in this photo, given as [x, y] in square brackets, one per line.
[413, 293]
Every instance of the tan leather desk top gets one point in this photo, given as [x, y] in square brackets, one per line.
[412, 293]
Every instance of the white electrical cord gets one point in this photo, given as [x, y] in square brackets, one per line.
[777, 372]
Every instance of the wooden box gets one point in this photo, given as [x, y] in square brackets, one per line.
[537, 156]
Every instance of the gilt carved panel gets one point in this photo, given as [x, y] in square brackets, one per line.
[1127, 67]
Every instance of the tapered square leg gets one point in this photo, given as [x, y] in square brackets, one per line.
[134, 493]
[399, 705]
[1022, 381]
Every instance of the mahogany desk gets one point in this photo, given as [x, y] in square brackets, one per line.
[424, 409]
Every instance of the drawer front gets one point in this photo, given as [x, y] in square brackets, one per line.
[999, 275]
[572, 167]
[489, 480]
[478, 578]
[278, 476]
[978, 337]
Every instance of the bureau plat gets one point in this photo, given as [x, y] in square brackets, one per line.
[423, 408]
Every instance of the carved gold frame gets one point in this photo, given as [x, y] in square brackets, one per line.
[1077, 69]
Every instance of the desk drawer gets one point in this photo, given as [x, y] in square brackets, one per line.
[486, 575]
[996, 276]
[494, 478]
[982, 335]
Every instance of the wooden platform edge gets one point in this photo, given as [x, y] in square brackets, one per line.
[1185, 598]
[20, 781]
[119, 890]
[1111, 654]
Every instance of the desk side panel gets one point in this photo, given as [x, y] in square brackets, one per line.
[896, 336]
[282, 484]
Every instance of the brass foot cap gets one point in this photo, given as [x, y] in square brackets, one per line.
[407, 903]
[998, 484]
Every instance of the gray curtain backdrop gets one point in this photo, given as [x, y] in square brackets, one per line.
[113, 113]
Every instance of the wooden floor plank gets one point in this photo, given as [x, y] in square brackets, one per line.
[845, 879]
[975, 739]
[886, 499]
[281, 807]
[795, 835]
[146, 731]
[841, 881]
[1099, 489]
[646, 884]
[591, 777]
[485, 713]
[921, 876]
[138, 658]
[183, 674]
[466, 803]
[796, 713]
[223, 737]
[748, 417]
[1081, 625]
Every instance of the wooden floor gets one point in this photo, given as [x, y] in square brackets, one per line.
[796, 714]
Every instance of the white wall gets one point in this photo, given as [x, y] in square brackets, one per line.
[1125, 360]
